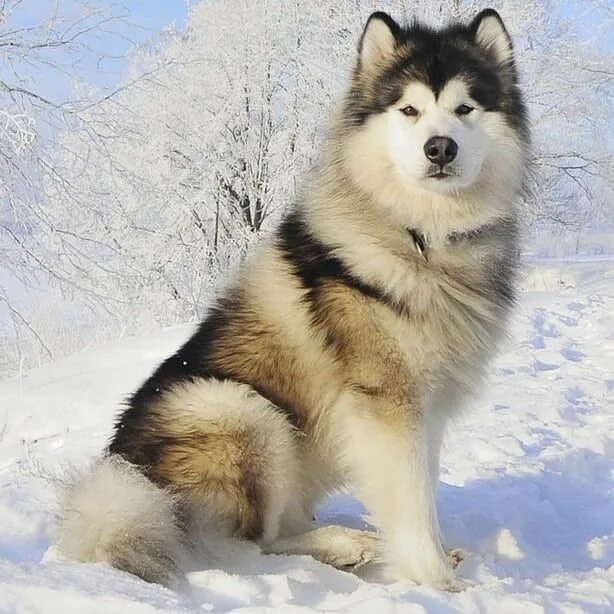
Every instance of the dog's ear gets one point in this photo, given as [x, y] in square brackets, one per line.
[490, 34]
[378, 42]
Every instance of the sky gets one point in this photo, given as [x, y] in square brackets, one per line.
[140, 20]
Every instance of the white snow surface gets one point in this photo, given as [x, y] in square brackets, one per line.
[527, 479]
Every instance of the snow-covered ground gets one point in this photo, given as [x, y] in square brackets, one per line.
[527, 481]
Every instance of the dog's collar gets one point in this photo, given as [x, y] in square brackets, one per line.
[421, 244]
[419, 241]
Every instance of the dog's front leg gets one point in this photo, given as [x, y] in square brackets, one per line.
[387, 457]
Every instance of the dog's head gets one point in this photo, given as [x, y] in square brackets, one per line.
[434, 111]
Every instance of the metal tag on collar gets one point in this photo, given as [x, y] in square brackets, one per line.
[419, 242]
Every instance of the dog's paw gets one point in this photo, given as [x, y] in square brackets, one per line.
[436, 571]
[351, 549]
[456, 556]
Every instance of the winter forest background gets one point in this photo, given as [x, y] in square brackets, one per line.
[124, 204]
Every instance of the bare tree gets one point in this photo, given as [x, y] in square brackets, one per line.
[130, 206]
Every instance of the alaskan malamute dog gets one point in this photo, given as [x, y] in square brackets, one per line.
[348, 341]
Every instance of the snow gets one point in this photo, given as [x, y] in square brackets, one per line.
[526, 482]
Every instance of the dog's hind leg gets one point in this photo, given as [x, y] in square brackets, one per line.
[334, 545]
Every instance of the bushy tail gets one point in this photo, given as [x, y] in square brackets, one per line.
[113, 513]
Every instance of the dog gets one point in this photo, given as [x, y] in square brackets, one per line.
[344, 346]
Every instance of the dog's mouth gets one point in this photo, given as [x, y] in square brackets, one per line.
[440, 174]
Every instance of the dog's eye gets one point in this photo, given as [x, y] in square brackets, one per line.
[409, 111]
[464, 109]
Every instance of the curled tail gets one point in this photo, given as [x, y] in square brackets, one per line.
[112, 513]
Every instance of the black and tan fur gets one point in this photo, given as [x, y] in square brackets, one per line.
[339, 352]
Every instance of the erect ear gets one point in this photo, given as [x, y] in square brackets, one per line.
[490, 34]
[378, 41]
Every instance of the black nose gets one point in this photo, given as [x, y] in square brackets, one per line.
[440, 150]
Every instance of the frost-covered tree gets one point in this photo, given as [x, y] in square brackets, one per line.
[161, 188]
[567, 80]
[189, 165]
